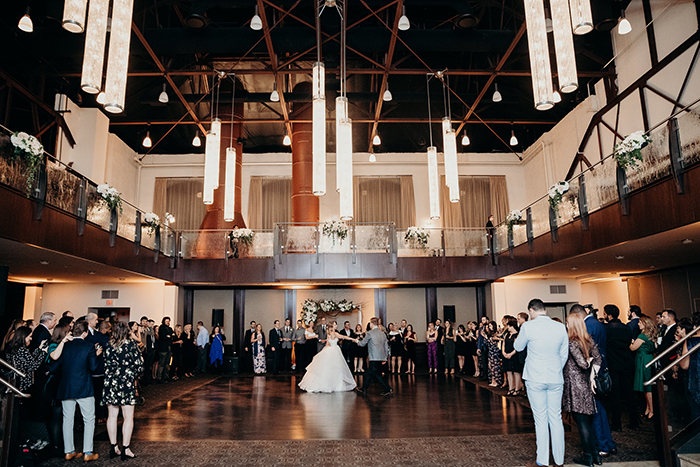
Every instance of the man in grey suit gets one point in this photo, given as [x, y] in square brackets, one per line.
[547, 346]
[322, 335]
[299, 347]
[378, 349]
[287, 337]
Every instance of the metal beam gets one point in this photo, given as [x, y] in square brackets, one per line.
[368, 119]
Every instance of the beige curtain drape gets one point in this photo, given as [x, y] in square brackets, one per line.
[479, 198]
[385, 199]
[181, 197]
[269, 202]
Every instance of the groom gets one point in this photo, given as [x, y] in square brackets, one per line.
[378, 349]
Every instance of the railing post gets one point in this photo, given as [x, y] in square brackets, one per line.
[494, 247]
[511, 249]
[553, 228]
[157, 245]
[276, 246]
[40, 190]
[317, 242]
[113, 226]
[353, 246]
[583, 202]
[137, 233]
[663, 441]
[442, 246]
[391, 238]
[528, 229]
[9, 442]
[173, 249]
[82, 205]
[677, 164]
[227, 250]
[622, 190]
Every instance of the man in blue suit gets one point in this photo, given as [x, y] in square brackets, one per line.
[76, 364]
[547, 346]
[598, 333]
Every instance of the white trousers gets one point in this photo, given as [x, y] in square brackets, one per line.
[87, 410]
[545, 402]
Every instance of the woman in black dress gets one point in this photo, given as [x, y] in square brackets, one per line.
[472, 339]
[176, 347]
[359, 353]
[396, 346]
[189, 351]
[461, 347]
[410, 345]
[511, 361]
[123, 365]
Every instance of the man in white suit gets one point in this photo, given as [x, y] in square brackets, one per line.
[547, 346]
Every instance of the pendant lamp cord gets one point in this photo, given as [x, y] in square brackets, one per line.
[233, 99]
[428, 76]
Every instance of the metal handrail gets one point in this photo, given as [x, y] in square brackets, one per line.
[10, 367]
[674, 363]
[14, 389]
[676, 344]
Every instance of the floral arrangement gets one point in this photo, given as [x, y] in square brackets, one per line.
[30, 150]
[417, 235]
[513, 217]
[628, 152]
[345, 306]
[556, 193]
[336, 230]
[110, 196]
[168, 219]
[326, 305]
[309, 311]
[151, 221]
[242, 236]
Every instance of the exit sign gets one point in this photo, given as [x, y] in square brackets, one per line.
[110, 302]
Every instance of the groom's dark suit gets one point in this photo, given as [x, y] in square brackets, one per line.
[346, 345]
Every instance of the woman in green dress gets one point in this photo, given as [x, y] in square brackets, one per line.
[644, 345]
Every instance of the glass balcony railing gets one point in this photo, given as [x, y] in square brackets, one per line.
[216, 244]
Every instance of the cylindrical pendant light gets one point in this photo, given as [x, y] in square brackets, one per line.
[74, 15]
[211, 161]
[230, 190]
[216, 129]
[344, 163]
[341, 115]
[581, 16]
[539, 54]
[118, 58]
[95, 40]
[433, 183]
[564, 46]
[450, 149]
[319, 128]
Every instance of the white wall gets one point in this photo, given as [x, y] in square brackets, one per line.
[264, 306]
[463, 299]
[408, 304]
[32, 303]
[122, 170]
[607, 292]
[207, 300]
[153, 299]
[90, 129]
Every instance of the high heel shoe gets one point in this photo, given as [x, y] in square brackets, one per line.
[113, 451]
[124, 454]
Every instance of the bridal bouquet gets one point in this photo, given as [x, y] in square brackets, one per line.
[309, 311]
[30, 150]
[242, 236]
[513, 217]
[110, 196]
[628, 152]
[556, 194]
[151, 221]
[417, 236]
[336, 230]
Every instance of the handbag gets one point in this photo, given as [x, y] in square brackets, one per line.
[603, 382]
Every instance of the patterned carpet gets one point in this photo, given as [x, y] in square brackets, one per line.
[495, 450]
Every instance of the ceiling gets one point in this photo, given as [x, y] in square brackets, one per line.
[181, 43]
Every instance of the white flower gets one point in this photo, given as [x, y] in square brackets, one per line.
[151, 217]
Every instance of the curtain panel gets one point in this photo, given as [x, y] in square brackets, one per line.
[269, 202]
[479, 197]
[385, 199]
[181, 197]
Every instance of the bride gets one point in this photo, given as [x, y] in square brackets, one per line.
[328, 371]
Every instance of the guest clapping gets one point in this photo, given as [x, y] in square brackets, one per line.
[257, 342]
[396, 346]
[431, 337]
[26, 361]
[216, 352]
[410, 345]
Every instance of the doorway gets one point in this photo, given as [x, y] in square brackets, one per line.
[111, 313]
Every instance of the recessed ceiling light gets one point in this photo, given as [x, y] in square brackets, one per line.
[122, 278]
[92, 273]
[619, 257]
[545, 275]
[652, 266]
[687, 241]
[573, 268]
[44, 262]
[49, 279]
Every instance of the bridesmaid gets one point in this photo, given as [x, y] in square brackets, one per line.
[410, 349]
[176, 346]
[359, 353]
[189, 351]
[431, 338]
[258, 344]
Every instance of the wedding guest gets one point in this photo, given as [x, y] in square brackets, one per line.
[287, 345]
[440, 352]
[165, 339]
[247, 352]
[299, 340]
[123, 365]
[633, 315]
[431, 337]
[472, 339]
[311, 345]
[61, 335]
[644, 346]
[396, 347]
[461, 347]
[135, 335]
[692, 365]
[511, 361]
[275, 346]
[176, 348]
[482, 349]
[257, 342]
[31, 324]
[25, 360]
[16, 324]
[189, 352]
[578, 397]
[494, 365]
[202, 343]
[410, 342]
[621, 367]
[99, 338]
[359, 353]
[346, 344]
[216, 352]
[450, 348]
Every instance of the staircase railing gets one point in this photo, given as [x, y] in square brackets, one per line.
[9, 444]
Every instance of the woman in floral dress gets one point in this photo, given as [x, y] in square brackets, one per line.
[123, 365]
[258, 341]
[495, 372]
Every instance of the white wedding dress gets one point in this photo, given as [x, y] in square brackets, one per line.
[328, 372]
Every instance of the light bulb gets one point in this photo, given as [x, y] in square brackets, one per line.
[372, 157]
[376, 141]
[101, 98]
[496, 95]
[623, 28]
[25, 23]
[387, 95]
[287, 141]
[256, 22]
[147, 143]
[557, 97]
[548, 25]
[274, 95]
[404, 23]
[465, 140]
[163, 98]
[196, 141]
[513, 138]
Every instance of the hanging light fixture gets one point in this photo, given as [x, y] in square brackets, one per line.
[376, 141]
[211, 161]
[556, 97]
[147, 143]
[100, 99]
[513, 138]
[581, 16]
[496, 95]
[319, 128]
[25, 22]
[196, 141]
[118, 60]
[387, 97]
[548, 20]
[539, 54]
[274, 95]
[344, 132]
[74, 15]
[230, 187]
[449, 140]
[624, 27]
[287, 141]
[256, 22]
[94, 55]
[465, 139]
[433, 176]
[404, 23]
[163, 97]
[372, 157]
[564, 46]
